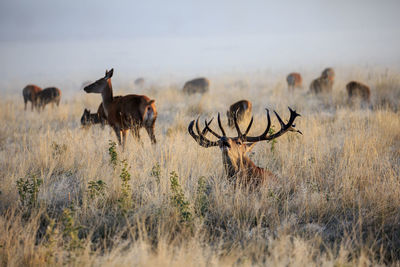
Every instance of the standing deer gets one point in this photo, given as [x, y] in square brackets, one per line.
[238, 166]
[324, 83]
[242, 109]
[48, 95]
[130, 112]
[29, 93]
[294, 80]
[198, 85]
[358, 90]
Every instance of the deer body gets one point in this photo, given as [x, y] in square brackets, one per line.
[242, 109]
[294, 80]
[198, 85]
[324, 83]
[130, 112]
[29, 93]
[357, 89]
[48, 95]
[237, 165]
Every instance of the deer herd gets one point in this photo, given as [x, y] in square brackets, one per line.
[133, 112]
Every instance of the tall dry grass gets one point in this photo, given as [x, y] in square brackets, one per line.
[337, 203]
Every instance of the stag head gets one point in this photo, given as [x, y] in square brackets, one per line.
[235, 149]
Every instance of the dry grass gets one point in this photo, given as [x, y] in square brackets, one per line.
[338, 202]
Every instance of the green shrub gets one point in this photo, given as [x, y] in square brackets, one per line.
[178, 199]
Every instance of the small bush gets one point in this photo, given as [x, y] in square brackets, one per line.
[28, 190]
[178, 199]
[112, 151]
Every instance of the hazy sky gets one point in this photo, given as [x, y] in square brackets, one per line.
[53, 37]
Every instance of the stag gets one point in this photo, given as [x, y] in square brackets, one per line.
[238, 166]
[198, 85]
[29, 93]
[130, 112]
[294, 80]
[242, 109]
[46, 96]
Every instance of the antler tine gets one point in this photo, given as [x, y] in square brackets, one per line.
[206, 129]
[236, 124]
[220, 125]
[284, 127]
[209, 129]
[248, 127]
[200, 139]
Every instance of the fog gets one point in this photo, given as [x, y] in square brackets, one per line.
[47, 40]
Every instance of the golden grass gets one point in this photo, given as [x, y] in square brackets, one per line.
[338, 202]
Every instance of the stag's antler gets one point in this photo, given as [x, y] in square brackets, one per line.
[264, 136]
[200, 136]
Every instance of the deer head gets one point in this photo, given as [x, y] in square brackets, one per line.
[235, 149]
[85, 119]
[99, 85]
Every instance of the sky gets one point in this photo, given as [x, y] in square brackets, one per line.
[48, 39]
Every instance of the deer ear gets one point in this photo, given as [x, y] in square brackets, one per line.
[249, 147]
[151, 102]
[109, 74]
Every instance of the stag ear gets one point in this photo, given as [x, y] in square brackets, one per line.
[249, 147]
[109, 74]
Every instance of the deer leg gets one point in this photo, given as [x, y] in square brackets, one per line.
[136, 135]
[124, 132]
[118, 134]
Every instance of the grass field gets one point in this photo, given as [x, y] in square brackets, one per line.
[65, 200]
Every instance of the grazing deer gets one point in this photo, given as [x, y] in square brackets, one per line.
[130, 112]
[294, 80]
[242, 109]
[199, 85]
[238, 166]
[88, 118]
[324, 83]
[48, 95]
[29, 93]
[328, 74]
[358, 90]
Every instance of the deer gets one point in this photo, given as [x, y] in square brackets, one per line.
[242, 109]
[324, 83]
[358, 90]
[48, 95]
[129, 112]
[239, 168]
[29, 93]
[88, 118]
[198, 85]
[294, 80]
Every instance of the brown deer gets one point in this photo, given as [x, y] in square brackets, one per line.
[358, 90]
[294, 80]
[198, 85]
[88, 118]
[242, 109]
[130, 112]
[328, 74]
[238, 166]
[29, 93]
[48, 95]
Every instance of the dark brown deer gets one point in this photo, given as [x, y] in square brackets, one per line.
[29, 93]
[130, 112]
[358, 90]
[321, 85]
[48, 95]
[198, 85]
[88, 118]
[238, 166]
[242, 109]
[294, 80]
[328, 74]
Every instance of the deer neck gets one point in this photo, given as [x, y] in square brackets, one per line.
[251, 168]
[107, 95]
